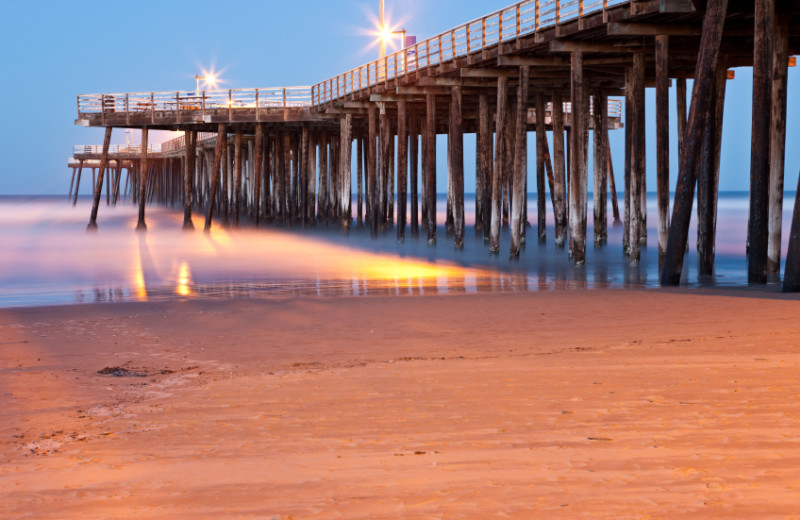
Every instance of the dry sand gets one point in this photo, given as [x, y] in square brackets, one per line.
[571, 404]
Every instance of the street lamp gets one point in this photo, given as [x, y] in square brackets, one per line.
[209, 79]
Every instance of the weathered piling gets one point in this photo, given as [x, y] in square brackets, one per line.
[190, 138]
[637, 157]
[222, 130]
[402, 168]
[600, 185]
[359, 180]
[777, 138]
[98, 189]
[702, 93]
[791, 276]
[758, 231]
[520, 163]
[662, 142]
[499, 165]
[456, 160]
[414, 171]
[579, 167]
[140, 225]
[372, 184]
[541, 174]
[345, 162]
[484, 168]
[559, 170]
[430, 165]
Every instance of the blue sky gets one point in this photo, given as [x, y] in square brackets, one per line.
[56, 50]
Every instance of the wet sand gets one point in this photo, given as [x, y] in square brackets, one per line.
[568, 404]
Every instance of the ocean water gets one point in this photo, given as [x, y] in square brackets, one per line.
[49, 258]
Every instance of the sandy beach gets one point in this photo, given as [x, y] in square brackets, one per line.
[567, 404]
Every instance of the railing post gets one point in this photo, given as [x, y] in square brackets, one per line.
[453, 44]
[203, 106]
[230, 105]
[536, 15]
[152, 107]
[439, 39]
[500, 28]
[558, 12]
[284, 103]
[338, 92]
[469, 43]
[103, 109]
[395, 65]
[519, 21]
[257, 116]
[483, 33]
[385, 68]
[127, 111]
[178, 106]
[405, 61]
[359, 78]
[428, 52]
[79, 106]
[580, 7]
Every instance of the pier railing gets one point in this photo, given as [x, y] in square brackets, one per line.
[142, 103]
[505, 25]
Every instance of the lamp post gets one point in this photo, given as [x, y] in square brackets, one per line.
[382, 29]
[209, 79]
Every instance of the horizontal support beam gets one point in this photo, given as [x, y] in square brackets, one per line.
[489, 73]
[388, 98]
[652, 29]
[518, 61]
[576, 46]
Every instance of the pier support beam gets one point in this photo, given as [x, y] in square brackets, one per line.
[430, 166]
[98, 189]
[708, 175]
[638, 165]
[384, 136]
[559, 170]
[600, 185]
[359, 180]
[414, 172]
[484, 167]
[141, 226]
[237, 177]
[499, 165]
[662, 142]
[190, 142]
[345, 167]
[542, 162]
[777, 147]
[456, 161]
[758, 231]
[222, 130]
[258, 167]
[702, 94]
[402, 169]
[520, 162]
[372, 185]
[78, 182]
[578, 163]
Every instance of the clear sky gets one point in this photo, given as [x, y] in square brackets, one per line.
[53, 50]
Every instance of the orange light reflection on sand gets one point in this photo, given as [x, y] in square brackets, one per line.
[184, 287]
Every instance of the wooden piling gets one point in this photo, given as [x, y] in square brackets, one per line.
[777, 147]
[237, 175]
[708, 175]
[704, 84]
[322, 197]
[345, 166]
[600, 184]
[359, 180]
[662, 142]
[541, 173]
[311, 189]
[402, 168]
[637, 156]
[484, 169]
[456, 161]
[98, 189]
[430, 165]
[520, 162]
[78, 182]
[579, 172]
[190, 142]
[222, 130]
[497, 172]
[791, 275]
[384, 158]
[414, 171]
[141, 226]
[372, 185]
[758, 231]
[559, 173]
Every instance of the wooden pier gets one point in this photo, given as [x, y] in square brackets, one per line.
[557, 66]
